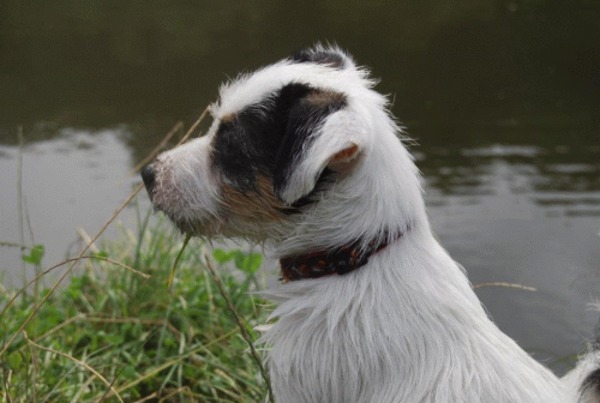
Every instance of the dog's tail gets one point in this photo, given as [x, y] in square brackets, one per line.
[584, 379]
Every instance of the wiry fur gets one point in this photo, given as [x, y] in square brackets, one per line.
[407, 326]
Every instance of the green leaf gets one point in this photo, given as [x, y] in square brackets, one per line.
[221, 256]
[36, 253]
[14, 360]
[248, 262]
[129, 371]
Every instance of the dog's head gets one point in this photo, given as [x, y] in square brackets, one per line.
[281, 139]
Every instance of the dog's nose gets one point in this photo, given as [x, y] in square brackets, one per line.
[149, 177]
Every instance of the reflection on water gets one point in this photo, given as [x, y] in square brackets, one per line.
[543, 173]
[529, 215]
[502, 96]
[73, 181]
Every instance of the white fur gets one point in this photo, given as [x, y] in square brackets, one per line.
[406, 327]
[327, 143]
[185, 189]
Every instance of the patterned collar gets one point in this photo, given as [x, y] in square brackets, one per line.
[340, 260]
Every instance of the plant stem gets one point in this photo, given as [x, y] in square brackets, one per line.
[241, 325]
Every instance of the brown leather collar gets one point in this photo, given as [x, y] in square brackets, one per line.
[340, 260]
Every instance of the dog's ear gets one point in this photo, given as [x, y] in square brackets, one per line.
[320, 133]
[328, 56]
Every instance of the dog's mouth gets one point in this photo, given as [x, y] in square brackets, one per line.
[184, 225]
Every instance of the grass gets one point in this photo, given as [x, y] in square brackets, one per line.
[112, 334]
[117, 329]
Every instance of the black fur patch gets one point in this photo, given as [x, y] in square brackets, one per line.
[327, 57]
[247, 143]
[304, 120]
[267, 138]
[325, 179]
[591, 384]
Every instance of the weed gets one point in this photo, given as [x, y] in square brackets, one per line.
[113, 334]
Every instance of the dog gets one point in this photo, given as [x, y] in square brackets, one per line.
[304, 157]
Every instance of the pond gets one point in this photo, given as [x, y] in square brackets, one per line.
[502, 98]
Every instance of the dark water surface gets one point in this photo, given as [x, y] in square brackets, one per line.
[503, 98]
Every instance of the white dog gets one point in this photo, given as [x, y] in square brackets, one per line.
[304, 156]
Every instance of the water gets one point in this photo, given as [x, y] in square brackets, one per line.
[503, 98]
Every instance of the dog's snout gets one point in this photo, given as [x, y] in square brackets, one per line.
[149, 177]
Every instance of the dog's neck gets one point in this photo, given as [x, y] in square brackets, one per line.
[407, 325]
[404, 327]
[340, 260]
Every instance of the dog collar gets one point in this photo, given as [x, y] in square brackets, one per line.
[340, 260]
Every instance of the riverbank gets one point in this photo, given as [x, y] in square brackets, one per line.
[118, 334]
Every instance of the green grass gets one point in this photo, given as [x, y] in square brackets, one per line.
[111, 334]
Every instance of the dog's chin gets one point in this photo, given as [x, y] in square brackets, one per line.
[213, 228]
[197, 228]
[187, 228]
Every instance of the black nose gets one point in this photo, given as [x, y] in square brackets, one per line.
[149, 177]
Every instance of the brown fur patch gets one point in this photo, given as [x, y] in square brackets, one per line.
[228, 118]
[323, 98]
[258, 204]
